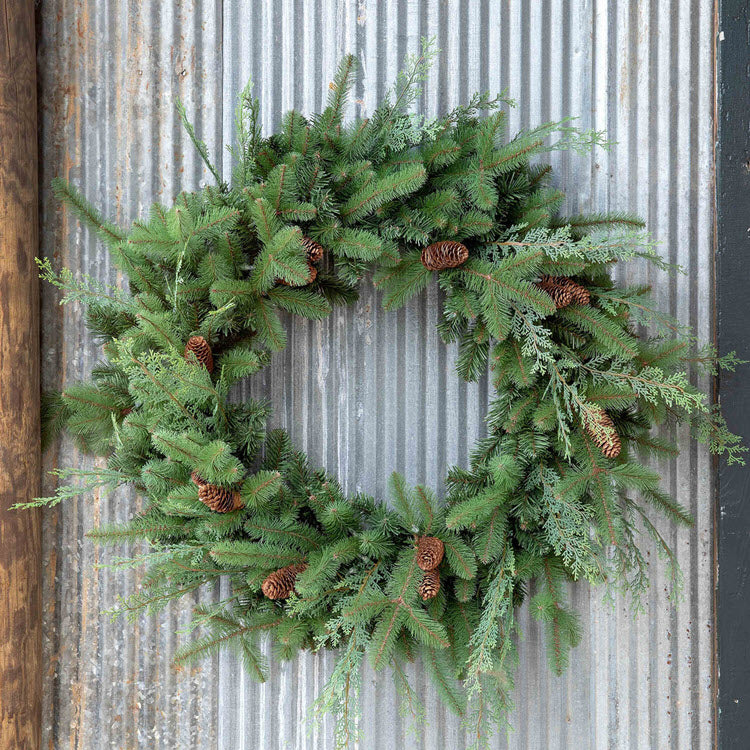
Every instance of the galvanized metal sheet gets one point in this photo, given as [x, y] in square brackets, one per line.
[364, 392]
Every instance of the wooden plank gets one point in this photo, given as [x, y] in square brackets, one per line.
[20, 531]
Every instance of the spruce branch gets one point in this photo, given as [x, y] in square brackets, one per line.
[72, 198]
[200, 146]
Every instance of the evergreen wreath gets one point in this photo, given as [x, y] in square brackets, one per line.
[555, 492]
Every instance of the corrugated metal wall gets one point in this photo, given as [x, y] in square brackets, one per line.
[364, 392]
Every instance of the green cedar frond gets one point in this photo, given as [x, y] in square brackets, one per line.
[95, 479]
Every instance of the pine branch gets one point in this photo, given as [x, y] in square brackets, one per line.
[68, 194]
[200, 145]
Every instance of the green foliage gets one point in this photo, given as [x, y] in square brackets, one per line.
[539, 504]
[54, 416]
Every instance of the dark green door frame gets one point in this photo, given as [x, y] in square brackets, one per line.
[733, 332]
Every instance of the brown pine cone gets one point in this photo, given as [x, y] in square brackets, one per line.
[313, 275]
[560, 294]
[202, 351]
[430, 551]
[579, 294]
[313, 249]
[430, 585]
[564, 291]
[219, 499]
[604, 434]
[197, 479]
[446, 254]
[280, 583]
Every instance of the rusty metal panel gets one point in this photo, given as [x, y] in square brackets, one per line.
[364, 392]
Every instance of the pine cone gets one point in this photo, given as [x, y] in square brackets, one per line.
[313, 275]
[280, 583]
[560, 294]
[197, 479]
[430, 551]
[579, 294]
[202, 351]
[219, 499]
[430, 585]
[446, 254]
[564, 291]
[604, 434]
[313, 249]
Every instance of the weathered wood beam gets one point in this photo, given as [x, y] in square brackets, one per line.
[20, 531]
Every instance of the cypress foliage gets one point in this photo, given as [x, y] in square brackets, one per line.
[540, 501]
